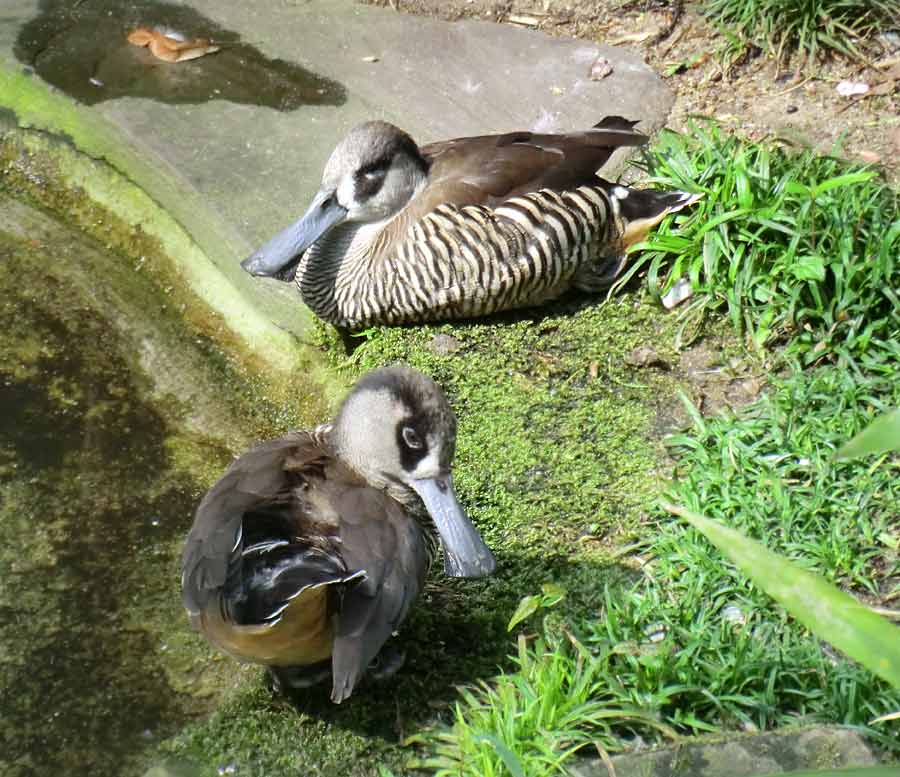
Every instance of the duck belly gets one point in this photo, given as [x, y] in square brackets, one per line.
[302, 635]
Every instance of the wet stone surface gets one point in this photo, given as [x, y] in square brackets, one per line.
[81, 47]
[92, 511]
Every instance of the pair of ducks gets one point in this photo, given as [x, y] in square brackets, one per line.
[308, 553]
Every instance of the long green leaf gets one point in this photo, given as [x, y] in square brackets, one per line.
[821, 607]
[865, 771]
[883, 434]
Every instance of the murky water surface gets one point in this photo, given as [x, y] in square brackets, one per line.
[91, 514]
[80, 47]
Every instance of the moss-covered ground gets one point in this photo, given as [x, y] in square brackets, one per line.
[557, 461]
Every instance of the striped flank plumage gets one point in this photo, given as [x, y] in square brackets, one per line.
[463, 228]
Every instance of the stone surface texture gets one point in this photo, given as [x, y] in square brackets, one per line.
[756, 754]
[235, 173]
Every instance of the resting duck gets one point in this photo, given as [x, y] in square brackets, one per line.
[461, 228]
[309, 551]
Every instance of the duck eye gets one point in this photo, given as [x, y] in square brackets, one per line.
[412, 439]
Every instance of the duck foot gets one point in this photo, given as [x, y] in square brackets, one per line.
[387, 663]
[289, 678]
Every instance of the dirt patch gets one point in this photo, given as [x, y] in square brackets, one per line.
[758, 97]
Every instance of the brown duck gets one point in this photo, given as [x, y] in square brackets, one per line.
[462, 228]
[309, 551]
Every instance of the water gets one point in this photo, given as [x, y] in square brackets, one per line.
[93, 508]
[80, 47]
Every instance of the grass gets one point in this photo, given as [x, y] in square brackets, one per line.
[814, 27]
[797, 248]
[557, 465]
[691, 644]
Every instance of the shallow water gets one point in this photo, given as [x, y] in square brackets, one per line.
[80, 47]
[92, 512]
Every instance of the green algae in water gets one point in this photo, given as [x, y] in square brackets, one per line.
[80, 47]
[89, 512]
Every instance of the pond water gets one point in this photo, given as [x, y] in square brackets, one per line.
[93, 509]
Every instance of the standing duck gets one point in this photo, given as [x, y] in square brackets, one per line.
[309, 551]
[461, 228]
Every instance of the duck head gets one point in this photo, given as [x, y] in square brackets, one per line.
[371, 175]
[397, 431]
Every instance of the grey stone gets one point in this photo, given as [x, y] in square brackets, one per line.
[234, 173]
[444, 345]
[753, 754]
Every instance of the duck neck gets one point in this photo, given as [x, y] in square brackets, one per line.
[341, 268]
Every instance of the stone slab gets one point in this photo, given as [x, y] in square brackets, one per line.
[823, 747]
[251, 168]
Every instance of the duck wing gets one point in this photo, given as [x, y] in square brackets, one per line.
[381, 540]
[488, 169]
[256, 485]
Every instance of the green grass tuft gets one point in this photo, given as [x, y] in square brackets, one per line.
[531, 721]
[794, 246]
[814, 27]
[691, 644]
[728, 656]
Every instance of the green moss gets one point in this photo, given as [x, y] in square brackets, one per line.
[93, 155]
[557, 454]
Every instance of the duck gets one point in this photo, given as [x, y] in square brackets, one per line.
[309, 551]
[402, 234]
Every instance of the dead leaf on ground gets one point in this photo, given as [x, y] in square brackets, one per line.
[171, 47]
[634, 37]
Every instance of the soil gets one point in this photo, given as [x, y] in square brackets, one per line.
[758, 96]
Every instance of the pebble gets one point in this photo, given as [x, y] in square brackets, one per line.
[444, 345]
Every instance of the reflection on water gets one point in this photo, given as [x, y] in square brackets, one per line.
[80, 47]
[90, 515]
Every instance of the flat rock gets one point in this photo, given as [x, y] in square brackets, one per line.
[254, 166]
[823, 747]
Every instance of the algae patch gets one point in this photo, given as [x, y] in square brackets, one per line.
[89, 505]
[80, 47]
[116, 417]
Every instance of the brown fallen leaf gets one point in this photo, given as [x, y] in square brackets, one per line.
[169, 48]
[634, 37]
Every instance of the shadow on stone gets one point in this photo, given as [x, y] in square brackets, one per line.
[80, 47]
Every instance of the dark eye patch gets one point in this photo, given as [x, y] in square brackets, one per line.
[370, 178]
[410, 457]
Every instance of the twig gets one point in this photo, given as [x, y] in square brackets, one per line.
[795, 86]
[665, 32]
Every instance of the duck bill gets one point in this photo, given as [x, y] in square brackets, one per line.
[465, 554]
[282, 253]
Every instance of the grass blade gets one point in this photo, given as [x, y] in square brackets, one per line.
[824, 609]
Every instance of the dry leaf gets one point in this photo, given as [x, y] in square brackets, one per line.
[524, 21]
[601, 68]
[885, 87]
[172, 47]
[634, 37]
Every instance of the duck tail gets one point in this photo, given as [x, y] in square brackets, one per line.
[642, 209]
